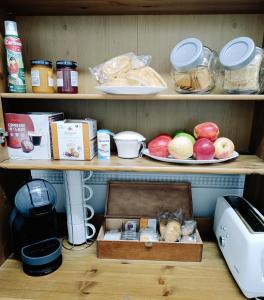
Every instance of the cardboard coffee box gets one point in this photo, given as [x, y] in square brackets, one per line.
[29, 134]
[74, 139]
[135, 200]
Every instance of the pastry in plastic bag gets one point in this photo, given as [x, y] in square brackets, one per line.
[162, 228]
[188, 227]
[148, 235]
[172, 232]
[117, 66]
[119, 82]
[145, 77]
[188, 239]
[170, 225]
[127, 70]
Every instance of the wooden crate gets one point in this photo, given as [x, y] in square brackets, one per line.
[145, 199]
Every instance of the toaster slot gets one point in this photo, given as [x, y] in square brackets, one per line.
[252, 218]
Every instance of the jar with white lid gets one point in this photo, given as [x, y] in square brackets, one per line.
[243, 65]
[195, 67]
[128, 143]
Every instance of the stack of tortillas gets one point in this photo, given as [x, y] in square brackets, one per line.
[128, 70]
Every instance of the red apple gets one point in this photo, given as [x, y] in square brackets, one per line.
[224, 147]
[164, 135]
[159, 145]
[208, 130]
[203, 149]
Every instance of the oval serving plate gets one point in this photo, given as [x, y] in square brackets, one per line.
[189, 160]
[130, 90]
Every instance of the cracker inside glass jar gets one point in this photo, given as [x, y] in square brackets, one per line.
[194, 81]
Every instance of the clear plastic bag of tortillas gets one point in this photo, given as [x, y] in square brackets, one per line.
[118, 66]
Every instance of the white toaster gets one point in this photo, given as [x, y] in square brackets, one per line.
[239, 229]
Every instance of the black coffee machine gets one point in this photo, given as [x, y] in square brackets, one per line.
[34, 227]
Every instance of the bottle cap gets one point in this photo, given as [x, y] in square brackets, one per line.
[104, 131]
[42, 62]
[66, 64]
[187, 54]
[237, 53]
[11, 28]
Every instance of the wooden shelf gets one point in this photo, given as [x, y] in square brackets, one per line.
[82, 275]
[108, 7]
[162, 96]
[244, 164]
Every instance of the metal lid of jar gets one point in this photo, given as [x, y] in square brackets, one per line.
[66, 64]
[41, 62]
[187, 54]
[237, 53]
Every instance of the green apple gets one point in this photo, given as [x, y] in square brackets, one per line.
[189, 136]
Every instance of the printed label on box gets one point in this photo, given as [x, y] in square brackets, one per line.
[29, 135]
[71, 141]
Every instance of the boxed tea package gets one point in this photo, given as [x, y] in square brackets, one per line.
[74, 139]
[29, 134]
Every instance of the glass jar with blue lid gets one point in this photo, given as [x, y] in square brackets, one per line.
[243, 65]
[195, 67]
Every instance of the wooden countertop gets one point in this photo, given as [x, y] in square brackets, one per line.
[83, 276]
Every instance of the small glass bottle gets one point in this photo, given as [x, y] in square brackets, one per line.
[67, 77]
[42, 76]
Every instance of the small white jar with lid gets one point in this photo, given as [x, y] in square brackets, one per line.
[195, 67]
[128, 143]
[243, 66]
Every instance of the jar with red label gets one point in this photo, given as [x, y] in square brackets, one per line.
[67, 77]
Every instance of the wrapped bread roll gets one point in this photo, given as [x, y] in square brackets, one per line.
[118, 82]
[162, 228]
[127, 70]
[188, 227]
[146, 77]
[172, 232]
[116, 66]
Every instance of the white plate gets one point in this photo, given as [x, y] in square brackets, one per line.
[189, 160]
[130, 90]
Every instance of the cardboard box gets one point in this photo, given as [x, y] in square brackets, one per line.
[29, 134]
[135, 200]
[74, 139]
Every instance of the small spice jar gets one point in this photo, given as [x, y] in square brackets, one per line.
[67, 77]
[42, 76]
[194, 67]
[243, 65]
